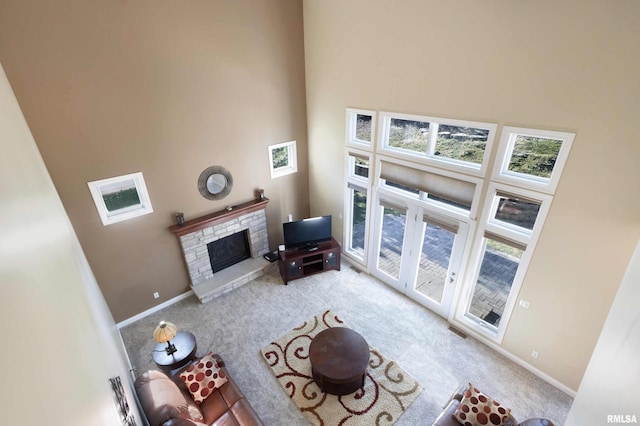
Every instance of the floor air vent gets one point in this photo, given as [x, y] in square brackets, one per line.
[458, 332]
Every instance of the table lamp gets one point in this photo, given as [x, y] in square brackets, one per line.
[164, 332]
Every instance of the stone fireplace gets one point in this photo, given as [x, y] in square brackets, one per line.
[228, 228]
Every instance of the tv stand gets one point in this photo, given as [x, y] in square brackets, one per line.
[298, 263]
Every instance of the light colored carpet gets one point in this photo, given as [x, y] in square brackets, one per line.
[387, 392]
[240, 323]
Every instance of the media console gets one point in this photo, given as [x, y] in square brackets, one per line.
[295, 263]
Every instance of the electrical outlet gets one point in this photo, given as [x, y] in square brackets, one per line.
[290, 217]
[524, 303]
[535, 355]
[156, 295]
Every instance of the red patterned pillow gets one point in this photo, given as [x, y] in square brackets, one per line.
[203, 378]
[477, 409]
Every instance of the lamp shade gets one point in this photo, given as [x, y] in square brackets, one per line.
[164, 332]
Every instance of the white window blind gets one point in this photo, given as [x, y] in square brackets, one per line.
[449, 188]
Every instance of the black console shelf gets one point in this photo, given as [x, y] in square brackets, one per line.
[295, 263]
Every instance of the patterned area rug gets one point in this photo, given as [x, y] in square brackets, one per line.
[387, 392]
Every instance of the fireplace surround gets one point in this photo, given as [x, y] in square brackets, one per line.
[196, 234]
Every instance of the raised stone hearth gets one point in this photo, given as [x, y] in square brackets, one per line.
[195, 234]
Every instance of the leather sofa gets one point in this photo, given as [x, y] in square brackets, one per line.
[446, 416]
[166, 401]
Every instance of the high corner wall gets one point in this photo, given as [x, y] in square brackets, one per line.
[167, 89]
[567, 66]
[612, 378]
[60, 343]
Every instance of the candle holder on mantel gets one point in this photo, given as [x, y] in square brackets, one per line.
[260, 194]
[180, 218]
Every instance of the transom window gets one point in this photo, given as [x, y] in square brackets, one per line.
[360, 127]
[453, 144]
[532, 158]
[515, 210]
[360, 167]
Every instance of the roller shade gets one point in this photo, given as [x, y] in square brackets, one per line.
[502, 194]
[452, 189]
[504, 240]
[360, 156]
[440, 223]
[394, 206]
[356, 187]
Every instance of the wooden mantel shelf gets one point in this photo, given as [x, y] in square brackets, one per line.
[209, 220]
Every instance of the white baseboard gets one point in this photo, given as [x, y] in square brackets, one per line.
[522, 363]
[154, 309]
[532, 369]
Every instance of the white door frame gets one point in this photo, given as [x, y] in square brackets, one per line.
[454, 268]
[412, 248]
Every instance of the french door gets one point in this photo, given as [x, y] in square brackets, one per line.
[418, 252]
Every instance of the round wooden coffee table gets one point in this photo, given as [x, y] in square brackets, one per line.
[339, 358]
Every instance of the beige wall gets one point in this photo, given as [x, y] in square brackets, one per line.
[60, 343]
[611, 381]
[168, 89]
[545, 64]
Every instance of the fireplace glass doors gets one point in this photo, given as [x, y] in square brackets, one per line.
[229, 250]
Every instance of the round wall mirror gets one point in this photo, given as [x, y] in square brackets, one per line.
[215, 182]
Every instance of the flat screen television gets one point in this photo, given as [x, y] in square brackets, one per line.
[305, 234]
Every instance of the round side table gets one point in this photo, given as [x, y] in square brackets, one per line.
[339, 358]
[185, 344]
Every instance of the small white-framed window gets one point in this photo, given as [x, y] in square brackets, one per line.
[516, 212]
[359, 165]
[283, 159]
[532, 158]
[453, 144]
[120, 198]
[356, 207]
[356, 225]
[361, 124]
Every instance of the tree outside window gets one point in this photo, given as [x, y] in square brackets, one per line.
[282, 159]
